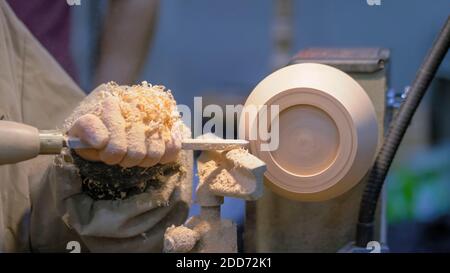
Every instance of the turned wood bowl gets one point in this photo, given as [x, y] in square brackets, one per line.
[328, 131]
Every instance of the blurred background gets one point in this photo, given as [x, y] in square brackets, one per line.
[221, 49]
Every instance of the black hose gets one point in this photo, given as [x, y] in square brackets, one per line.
[397, 129]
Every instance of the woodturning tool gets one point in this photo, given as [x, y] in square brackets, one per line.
[19, 142]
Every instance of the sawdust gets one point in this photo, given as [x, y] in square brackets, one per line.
[151, 105]
[90, 127]
[180, 239]
[216, 234]
[139, 119]
[233, 183]
[105, 182]
[226, 174]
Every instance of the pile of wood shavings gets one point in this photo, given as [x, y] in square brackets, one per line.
[151, 105]
[104, 182]
[226, 174]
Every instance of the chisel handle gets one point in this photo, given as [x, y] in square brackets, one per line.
[20, 142]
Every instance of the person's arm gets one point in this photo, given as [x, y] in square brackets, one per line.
[47, 208]
[128, 29]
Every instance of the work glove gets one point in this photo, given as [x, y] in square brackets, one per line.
[130, 128]
[126, 130]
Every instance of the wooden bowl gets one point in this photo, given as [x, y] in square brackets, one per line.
[328, 131]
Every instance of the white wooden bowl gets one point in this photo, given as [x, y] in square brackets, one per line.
[328, 131]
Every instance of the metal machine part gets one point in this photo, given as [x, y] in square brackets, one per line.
[276, 222]
[394, 100]
[234, 173]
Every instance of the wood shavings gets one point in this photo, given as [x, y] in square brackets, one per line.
[152, 105]
[104, 182]
[180, 239]
[225, 174]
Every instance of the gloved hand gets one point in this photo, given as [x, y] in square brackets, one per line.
[138, 128]
[130, 126]
[134, 224]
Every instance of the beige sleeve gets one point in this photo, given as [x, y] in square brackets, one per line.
[45, 203]
[35, 90]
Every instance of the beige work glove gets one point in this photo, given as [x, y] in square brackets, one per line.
[126, 130]
[140, 127]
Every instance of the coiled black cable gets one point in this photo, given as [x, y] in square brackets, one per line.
[396, 131]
